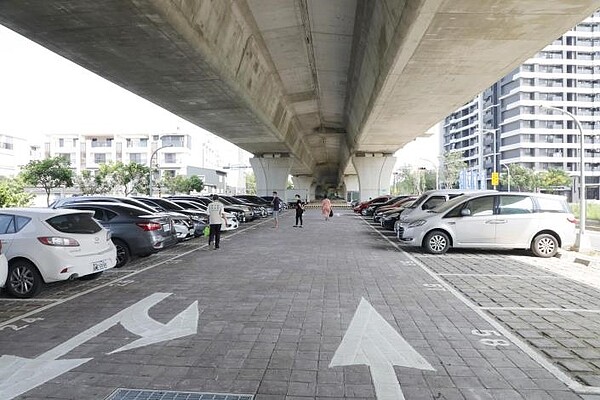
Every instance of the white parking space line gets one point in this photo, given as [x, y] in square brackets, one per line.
[576, 310]
[507, 276]
[112, 282]
[542, 361]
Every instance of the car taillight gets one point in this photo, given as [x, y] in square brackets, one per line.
[149, 226]
[58, 241]
[572, 220]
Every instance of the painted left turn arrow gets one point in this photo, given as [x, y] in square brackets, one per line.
[371, 341]
[19, 375]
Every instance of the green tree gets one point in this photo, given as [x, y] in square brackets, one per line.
[408, 181]
[522, 179]
[195, 183]
[131, 178]
[12, 193]
[250, 183]
[183, 184]
[90, 184]
[451, 166]
[554, 178]
[49, 174]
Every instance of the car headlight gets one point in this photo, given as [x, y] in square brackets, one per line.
[195, 218]
[418, 222]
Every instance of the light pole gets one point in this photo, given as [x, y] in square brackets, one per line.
[583, 242]
[150, 176]
[493, 132]
[437, 172]
[508, 171]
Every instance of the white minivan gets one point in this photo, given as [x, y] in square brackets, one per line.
[428, 201]
[515, 220]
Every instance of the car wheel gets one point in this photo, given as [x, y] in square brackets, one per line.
[544, 245]
[24, 280]
[123, 253]
[436, 242]
[89, 277]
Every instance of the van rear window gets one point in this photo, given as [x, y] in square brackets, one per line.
[552, 205]
[74, 223]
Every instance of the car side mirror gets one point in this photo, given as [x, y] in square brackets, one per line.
[465, 212]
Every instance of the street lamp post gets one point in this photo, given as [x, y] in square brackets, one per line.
[437, 172]
[508, 171]
[150, 176]
[583, 241]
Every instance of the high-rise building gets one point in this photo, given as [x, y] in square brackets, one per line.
[506, 124]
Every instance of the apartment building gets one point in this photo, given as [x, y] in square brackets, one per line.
[506, 124]
[15, 152]
[171, 154]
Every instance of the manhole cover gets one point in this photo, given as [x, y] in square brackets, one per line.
[138, 394]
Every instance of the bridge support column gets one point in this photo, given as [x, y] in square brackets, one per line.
[374, 173]
[305, 182]
[271, 174]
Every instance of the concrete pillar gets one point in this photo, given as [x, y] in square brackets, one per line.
[304, 182]
[271, 174]
[351, 187]
[312, 191]
[374, 173]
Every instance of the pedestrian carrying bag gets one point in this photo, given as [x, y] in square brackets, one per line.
[331, 213]
[206, 230]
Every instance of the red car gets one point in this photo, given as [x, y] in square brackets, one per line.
[377, 200]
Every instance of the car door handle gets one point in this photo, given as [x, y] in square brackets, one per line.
[496, 221]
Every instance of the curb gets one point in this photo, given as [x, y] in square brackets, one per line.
[571, 256]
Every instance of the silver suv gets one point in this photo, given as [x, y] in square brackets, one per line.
[535, 221]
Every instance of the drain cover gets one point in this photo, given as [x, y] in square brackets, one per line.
[138, 394]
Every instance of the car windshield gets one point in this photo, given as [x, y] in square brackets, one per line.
[448, 205]
[418, 201]
[167, 205]
[74, 223]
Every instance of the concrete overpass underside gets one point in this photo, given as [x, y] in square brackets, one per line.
[318, 89]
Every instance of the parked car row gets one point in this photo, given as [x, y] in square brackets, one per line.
[442, 219]
[80, 237]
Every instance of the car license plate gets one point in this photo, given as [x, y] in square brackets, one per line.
[166, 227]
[99, 265]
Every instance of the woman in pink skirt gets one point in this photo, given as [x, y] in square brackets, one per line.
[326, 207]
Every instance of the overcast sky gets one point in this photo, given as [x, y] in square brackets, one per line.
[42, 93]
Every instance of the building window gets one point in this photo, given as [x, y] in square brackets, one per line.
[139, 158]
[170, 158]
[61, 142]
[100, 158]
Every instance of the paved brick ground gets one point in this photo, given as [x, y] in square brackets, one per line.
[274, 305]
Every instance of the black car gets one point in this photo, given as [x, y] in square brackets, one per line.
[239, 213]
[268, 206]
[134, 231]
[184, 226]
[199, 218]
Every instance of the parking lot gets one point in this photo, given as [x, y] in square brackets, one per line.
[274, 307]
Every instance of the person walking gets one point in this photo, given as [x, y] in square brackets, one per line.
[299, 211]
[216, 217]
[326, 208]
[277, 204]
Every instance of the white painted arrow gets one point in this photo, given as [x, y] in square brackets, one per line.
[136, 320]
[371, 341]
[19, 375]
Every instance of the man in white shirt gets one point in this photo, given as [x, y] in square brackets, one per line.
[216, 217]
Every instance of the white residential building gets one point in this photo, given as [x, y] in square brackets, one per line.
[14, 153]
[505, 124]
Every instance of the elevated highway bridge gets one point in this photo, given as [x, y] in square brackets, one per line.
[325, 90]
